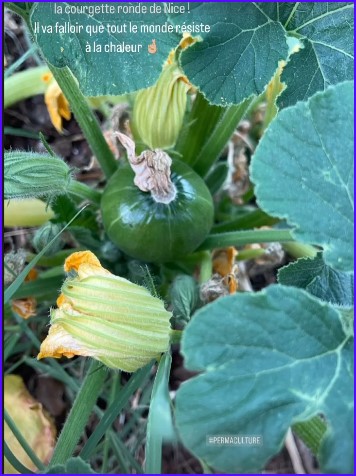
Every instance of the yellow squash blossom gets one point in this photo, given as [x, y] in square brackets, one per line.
[106, 317]
[57, 104]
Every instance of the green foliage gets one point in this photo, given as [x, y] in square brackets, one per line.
[73, 466]
[326, 31]
[101, 74]
[184, 295]
[160, 424]
[303, 171]
[319, 279]
[269, 360]
[240, 54]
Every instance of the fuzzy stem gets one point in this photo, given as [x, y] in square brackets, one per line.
[86, 119]
[175, 336]
[240, 238]
[82, 190]
[221, 134]
[206, 267]
[300, 250]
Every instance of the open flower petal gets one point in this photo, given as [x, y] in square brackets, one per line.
[59, 343]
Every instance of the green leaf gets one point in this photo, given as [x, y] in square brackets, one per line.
[326, 31]
[319, 279]
[159, 424]
[73, 466]
[105, 73]
[239, 55]
[303, 171]
[184, 295]
[269, 360]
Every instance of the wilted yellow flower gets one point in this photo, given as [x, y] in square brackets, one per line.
[57, 104]
[32, 421]
[26, 307]
[106, 317]
[224, 265]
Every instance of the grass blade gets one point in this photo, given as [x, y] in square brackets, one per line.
[113, 411]
[159, 410]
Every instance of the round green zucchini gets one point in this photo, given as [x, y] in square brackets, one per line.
[157, 232]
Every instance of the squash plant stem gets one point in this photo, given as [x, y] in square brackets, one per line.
[86, 119]
[245, 237]
[83, 113]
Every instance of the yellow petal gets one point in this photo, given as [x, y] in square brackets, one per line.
[59, 344]
[63, 107]
[224, 260]
[47, 77]
[57, 105]
[75, 260]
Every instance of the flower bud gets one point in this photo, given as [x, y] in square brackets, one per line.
[33, 175]
[106, 317]
[159, 110]
[44, 235]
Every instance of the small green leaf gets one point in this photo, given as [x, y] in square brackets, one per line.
[269, 360]
[313, 275]
[303, 171]
[106, 72]
[73, 466]
[239, 55]
[326, 31]
[184, 297]
[33, 175]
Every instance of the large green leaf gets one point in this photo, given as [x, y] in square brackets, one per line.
[269, 360]
[303, 171]
[239, 55]
[326, 30]
[313, 275]
[103, 73]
